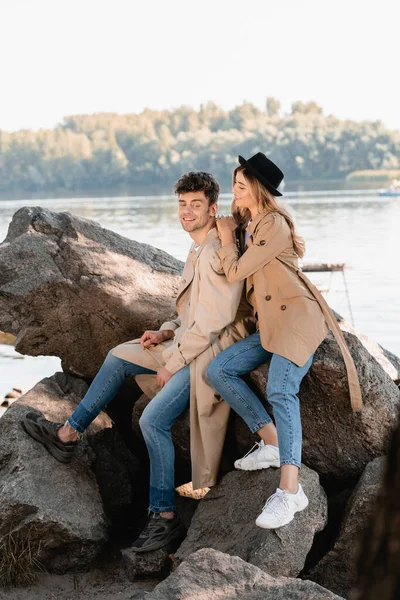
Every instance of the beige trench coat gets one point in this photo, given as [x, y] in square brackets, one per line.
[292, 315]
[212, 315]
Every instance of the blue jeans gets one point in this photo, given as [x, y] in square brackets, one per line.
[284, 377]
[102, 390]
[155, 422]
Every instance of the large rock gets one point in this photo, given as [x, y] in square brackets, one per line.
[67, 510]
[57, 507]
[211, 575]
[336, 570]
[72, 289]
[225, 521]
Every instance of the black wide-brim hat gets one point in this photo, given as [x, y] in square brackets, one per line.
[264, 170]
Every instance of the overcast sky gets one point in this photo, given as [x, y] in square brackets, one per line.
[60, 57]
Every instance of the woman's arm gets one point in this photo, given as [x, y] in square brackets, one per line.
[270, 239]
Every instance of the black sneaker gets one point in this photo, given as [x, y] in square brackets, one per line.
[45, 432]
[159, 532]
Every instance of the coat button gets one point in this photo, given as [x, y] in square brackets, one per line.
[262, 242]
[283, 307]
[268, 297]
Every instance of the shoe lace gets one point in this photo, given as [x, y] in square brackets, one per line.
[278, 504]
[257, 446]
[152, 523]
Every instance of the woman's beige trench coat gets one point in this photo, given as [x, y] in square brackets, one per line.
[212, 315]
[292, 315]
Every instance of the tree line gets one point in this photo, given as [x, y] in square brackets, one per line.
[154, 148]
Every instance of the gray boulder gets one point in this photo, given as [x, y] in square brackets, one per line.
[211, 575]
[72, 289]
[336, 570]
[225, 521]
[67, 510]
[57, 507]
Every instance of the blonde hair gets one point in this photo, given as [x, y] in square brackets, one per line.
[266, 203]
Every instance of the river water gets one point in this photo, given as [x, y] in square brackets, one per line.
[360, 229]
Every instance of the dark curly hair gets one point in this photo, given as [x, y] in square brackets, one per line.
[198, 181]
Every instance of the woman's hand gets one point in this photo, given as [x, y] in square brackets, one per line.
[226, 230]
[225, 225]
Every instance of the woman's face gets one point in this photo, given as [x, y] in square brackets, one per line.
[242, 193]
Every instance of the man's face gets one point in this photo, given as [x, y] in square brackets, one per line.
[195, 212]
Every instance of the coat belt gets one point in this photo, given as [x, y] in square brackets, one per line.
[352, 377]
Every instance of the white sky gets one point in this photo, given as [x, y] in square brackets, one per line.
[62, 57]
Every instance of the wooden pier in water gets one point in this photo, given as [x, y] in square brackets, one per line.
[330, 268]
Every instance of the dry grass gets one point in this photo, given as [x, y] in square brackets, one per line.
[19, 564]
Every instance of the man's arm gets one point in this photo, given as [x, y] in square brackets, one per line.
[171, 325]
[216, 308]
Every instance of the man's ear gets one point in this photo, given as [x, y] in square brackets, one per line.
[213, 209]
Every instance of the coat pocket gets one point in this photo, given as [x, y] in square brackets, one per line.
[293, 290]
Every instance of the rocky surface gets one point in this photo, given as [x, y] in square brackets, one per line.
[147, 564]
[60, 507]
[72, 289]
[225, 521]
[107, 581]
[211, 575]
[336, 570]
[57, 507]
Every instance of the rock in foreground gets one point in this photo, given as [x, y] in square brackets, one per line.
[225, 521]
[57, 507]
[211, 575]
[336, 570]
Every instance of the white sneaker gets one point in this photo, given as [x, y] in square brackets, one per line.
[281, 507]
[263, 457]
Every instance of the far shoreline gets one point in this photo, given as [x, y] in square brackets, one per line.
[312, 185]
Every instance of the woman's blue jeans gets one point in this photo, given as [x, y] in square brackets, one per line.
[155, 422]
[284, 377]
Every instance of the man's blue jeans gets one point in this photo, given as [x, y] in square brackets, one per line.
[155, 422]
[284, 377]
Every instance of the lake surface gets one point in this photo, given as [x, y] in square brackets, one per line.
[360, 229]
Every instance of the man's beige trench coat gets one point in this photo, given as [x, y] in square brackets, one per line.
[292, 315]
[212, 315]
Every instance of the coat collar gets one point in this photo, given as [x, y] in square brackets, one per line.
[252, 226]
[188, 270]
[211, 235]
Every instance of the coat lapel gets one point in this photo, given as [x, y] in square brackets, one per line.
[193, 257]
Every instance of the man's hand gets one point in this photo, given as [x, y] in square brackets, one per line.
[163, 376]
[152, 338]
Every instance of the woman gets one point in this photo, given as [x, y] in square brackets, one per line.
[292, 321]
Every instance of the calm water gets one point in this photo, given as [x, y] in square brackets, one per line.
[361, 230]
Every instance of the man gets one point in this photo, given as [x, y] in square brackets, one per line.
[175, 358]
